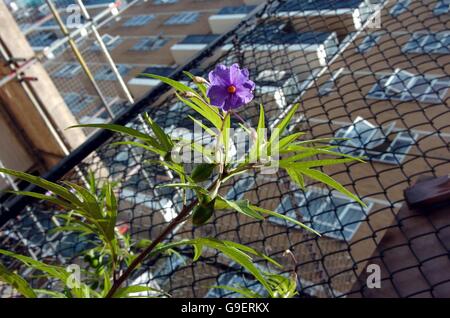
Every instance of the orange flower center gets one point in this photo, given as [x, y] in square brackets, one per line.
[231, 89]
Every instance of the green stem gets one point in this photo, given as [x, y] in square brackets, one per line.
[170, 227]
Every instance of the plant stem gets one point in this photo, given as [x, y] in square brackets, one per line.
[186, 210]
[178, 219]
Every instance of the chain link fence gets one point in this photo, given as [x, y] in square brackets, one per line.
[372, 71]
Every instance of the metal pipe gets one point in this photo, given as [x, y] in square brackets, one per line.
[55, 45]
[78, 56]
[106, 52]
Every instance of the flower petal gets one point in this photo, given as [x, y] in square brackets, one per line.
[249, 85]
[220, 76]
[245, 94]
[217, 95]
[234, 101]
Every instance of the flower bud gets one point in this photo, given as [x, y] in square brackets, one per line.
[188, 94]
[203, 172]
[203, 212]
[199, 80]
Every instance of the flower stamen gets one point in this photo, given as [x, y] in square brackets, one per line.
[231, 89]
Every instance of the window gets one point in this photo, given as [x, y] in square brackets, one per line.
[236, 10]
[332, 215]
[67, 70]
[442, 7]
[404, 86]
[400, 7]
[182, 18]
[158, 2]
[433, 43]
[110, 41]
[139, 20]
[77, 103]
[199, 39]
[369, 42]
[105, 73]
[377, 143]
[149, 44]
[42, 38]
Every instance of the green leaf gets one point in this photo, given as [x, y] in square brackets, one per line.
[287, 218]
[90, 204]
[47, 198]
[308, 152]
[172, 166]
[225, 135]
[324, 178]
[235, 251]
[111, 206]
[297, 177]
[286, 141]
[279, 129]
[284, 287]
[204, 110]
[198, 249]
[165, 141]
[242, 206]
[313, 163]
[201, 87]
[206, 128]
[56, 272]
[175, 84]
[17, 282]
[255, 152]
[51, 293]
[120, 129]
[207, 153]
[47, 185]
[139, 145]
[250, 250]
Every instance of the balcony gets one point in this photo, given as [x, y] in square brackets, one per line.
[190, 45]
[227, 18]
[343, 17]
[141, 83]
[304, 50]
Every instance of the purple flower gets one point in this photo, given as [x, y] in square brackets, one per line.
[230, 87]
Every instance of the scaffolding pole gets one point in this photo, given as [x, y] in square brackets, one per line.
[105, 51]
[78, 56]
